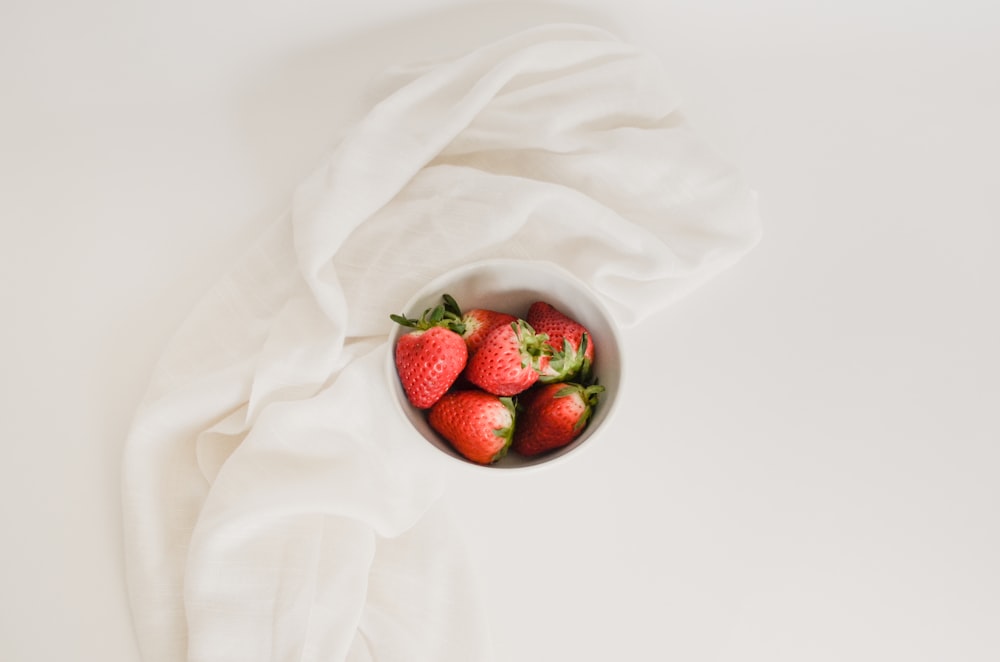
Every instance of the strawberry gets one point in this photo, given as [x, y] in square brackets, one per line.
[507, 362]
[428, 359]
[474, 325]
[572, 345]
[552, 415]
[478, 425]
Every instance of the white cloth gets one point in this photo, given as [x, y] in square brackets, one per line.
[274, 508]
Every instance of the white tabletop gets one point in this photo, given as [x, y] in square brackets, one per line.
[806, 467]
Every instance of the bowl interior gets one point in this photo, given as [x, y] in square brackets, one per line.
[512, 286]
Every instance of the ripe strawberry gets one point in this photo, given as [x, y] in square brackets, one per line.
[478, 424]
[508, 360]
[429, 359]
[474, 325]
[572, 345]
[552, 415]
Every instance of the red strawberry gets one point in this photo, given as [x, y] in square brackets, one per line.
[429, 359]
[552, 416]
[475, 324]
[507, 362]
[572, 345]
[478, 424]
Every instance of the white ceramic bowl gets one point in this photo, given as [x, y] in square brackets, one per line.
[511, 286]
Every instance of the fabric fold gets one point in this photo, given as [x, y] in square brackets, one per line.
[276, 508]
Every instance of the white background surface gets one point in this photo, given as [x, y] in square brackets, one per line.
[807, 467]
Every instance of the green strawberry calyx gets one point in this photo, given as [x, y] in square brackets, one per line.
[533, 346]
[568, 363]
[446, 314]
[588, 395]
[506, 433]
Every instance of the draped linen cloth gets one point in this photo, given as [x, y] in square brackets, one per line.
[275, 506]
